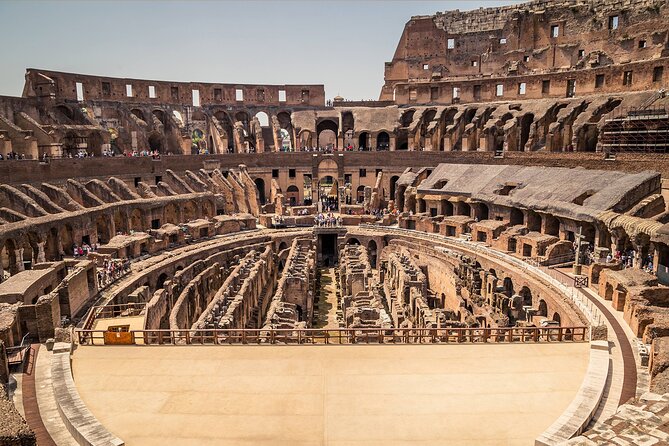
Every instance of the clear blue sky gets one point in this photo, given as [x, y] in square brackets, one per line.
[342, 44]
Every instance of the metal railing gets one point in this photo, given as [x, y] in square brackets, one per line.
[112, 311]
[338, 336]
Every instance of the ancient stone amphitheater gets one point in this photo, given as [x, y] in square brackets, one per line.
[479, 257]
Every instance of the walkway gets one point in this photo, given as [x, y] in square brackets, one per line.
[325, 311]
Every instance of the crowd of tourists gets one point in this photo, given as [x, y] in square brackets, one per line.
[328, 220]
[628, 259]
[111, 269]
[12, 156]
[83, 250]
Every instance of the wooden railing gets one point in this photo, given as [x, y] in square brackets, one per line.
[345, 336]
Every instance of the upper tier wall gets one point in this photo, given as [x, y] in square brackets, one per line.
[556, 40]
[63, 86]
[30, 171]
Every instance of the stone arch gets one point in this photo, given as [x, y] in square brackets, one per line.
[67, 239]
[383, 141]
[8, 257]
[156, 142]
[283, 245]
[171, 214]
[551, 225]
[103, 229]
[137, 220]
[260, 185]
[207, 208]
[360, 194]
[508, 286]
[363, 141]
[517, 217]
[543, 308]
[138, 114]
[556, 317]
[330, 138]
[533, 221]
[160, 116]
[64, 111]
[243, 117]
[465, 209]
[160, 283]
[526, 294]
[263, 118]
[51, 249]
[189, 211]
[393, 184]
[372, 250]
[482, 211]
[293, 195]
[525, 127]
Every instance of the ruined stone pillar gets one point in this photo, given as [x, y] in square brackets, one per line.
[18, 254]
[41, 257]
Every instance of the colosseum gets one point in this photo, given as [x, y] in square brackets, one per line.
[478, 257]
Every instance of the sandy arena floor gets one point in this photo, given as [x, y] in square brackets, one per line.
[330, 395]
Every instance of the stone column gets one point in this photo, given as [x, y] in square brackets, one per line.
[18, 253]
[41, 257]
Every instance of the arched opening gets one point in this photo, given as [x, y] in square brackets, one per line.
[156, 142]
[533, 221]
[102, 229]
[543, 308]
[465, 209]
[189, 211]
[263, 119]
[282, 246]
[328, 193]
[198, 142]
[482, 211]
[393, 183]
[363, 141]
[293, 195]
[170, 214]
[243, 117]
[260, 185]
[556, 318]
[160, 116]
[525, 127]
[446, 208]
[353, 241]
[67, 239]
[526, 294]
[8, 258]
[51, 247]
[517, 217]
[286, 125]
[508, 286]
[360, 194]
[551, 225]
[138, 114]
[371, 248]
[608, 293]
[383, 141]
[136, 220]
[326, 133]
[160, 284]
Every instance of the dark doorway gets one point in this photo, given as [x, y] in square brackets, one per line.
[328, 245]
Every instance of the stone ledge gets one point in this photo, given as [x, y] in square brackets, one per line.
[576, 417]
[81, 423]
